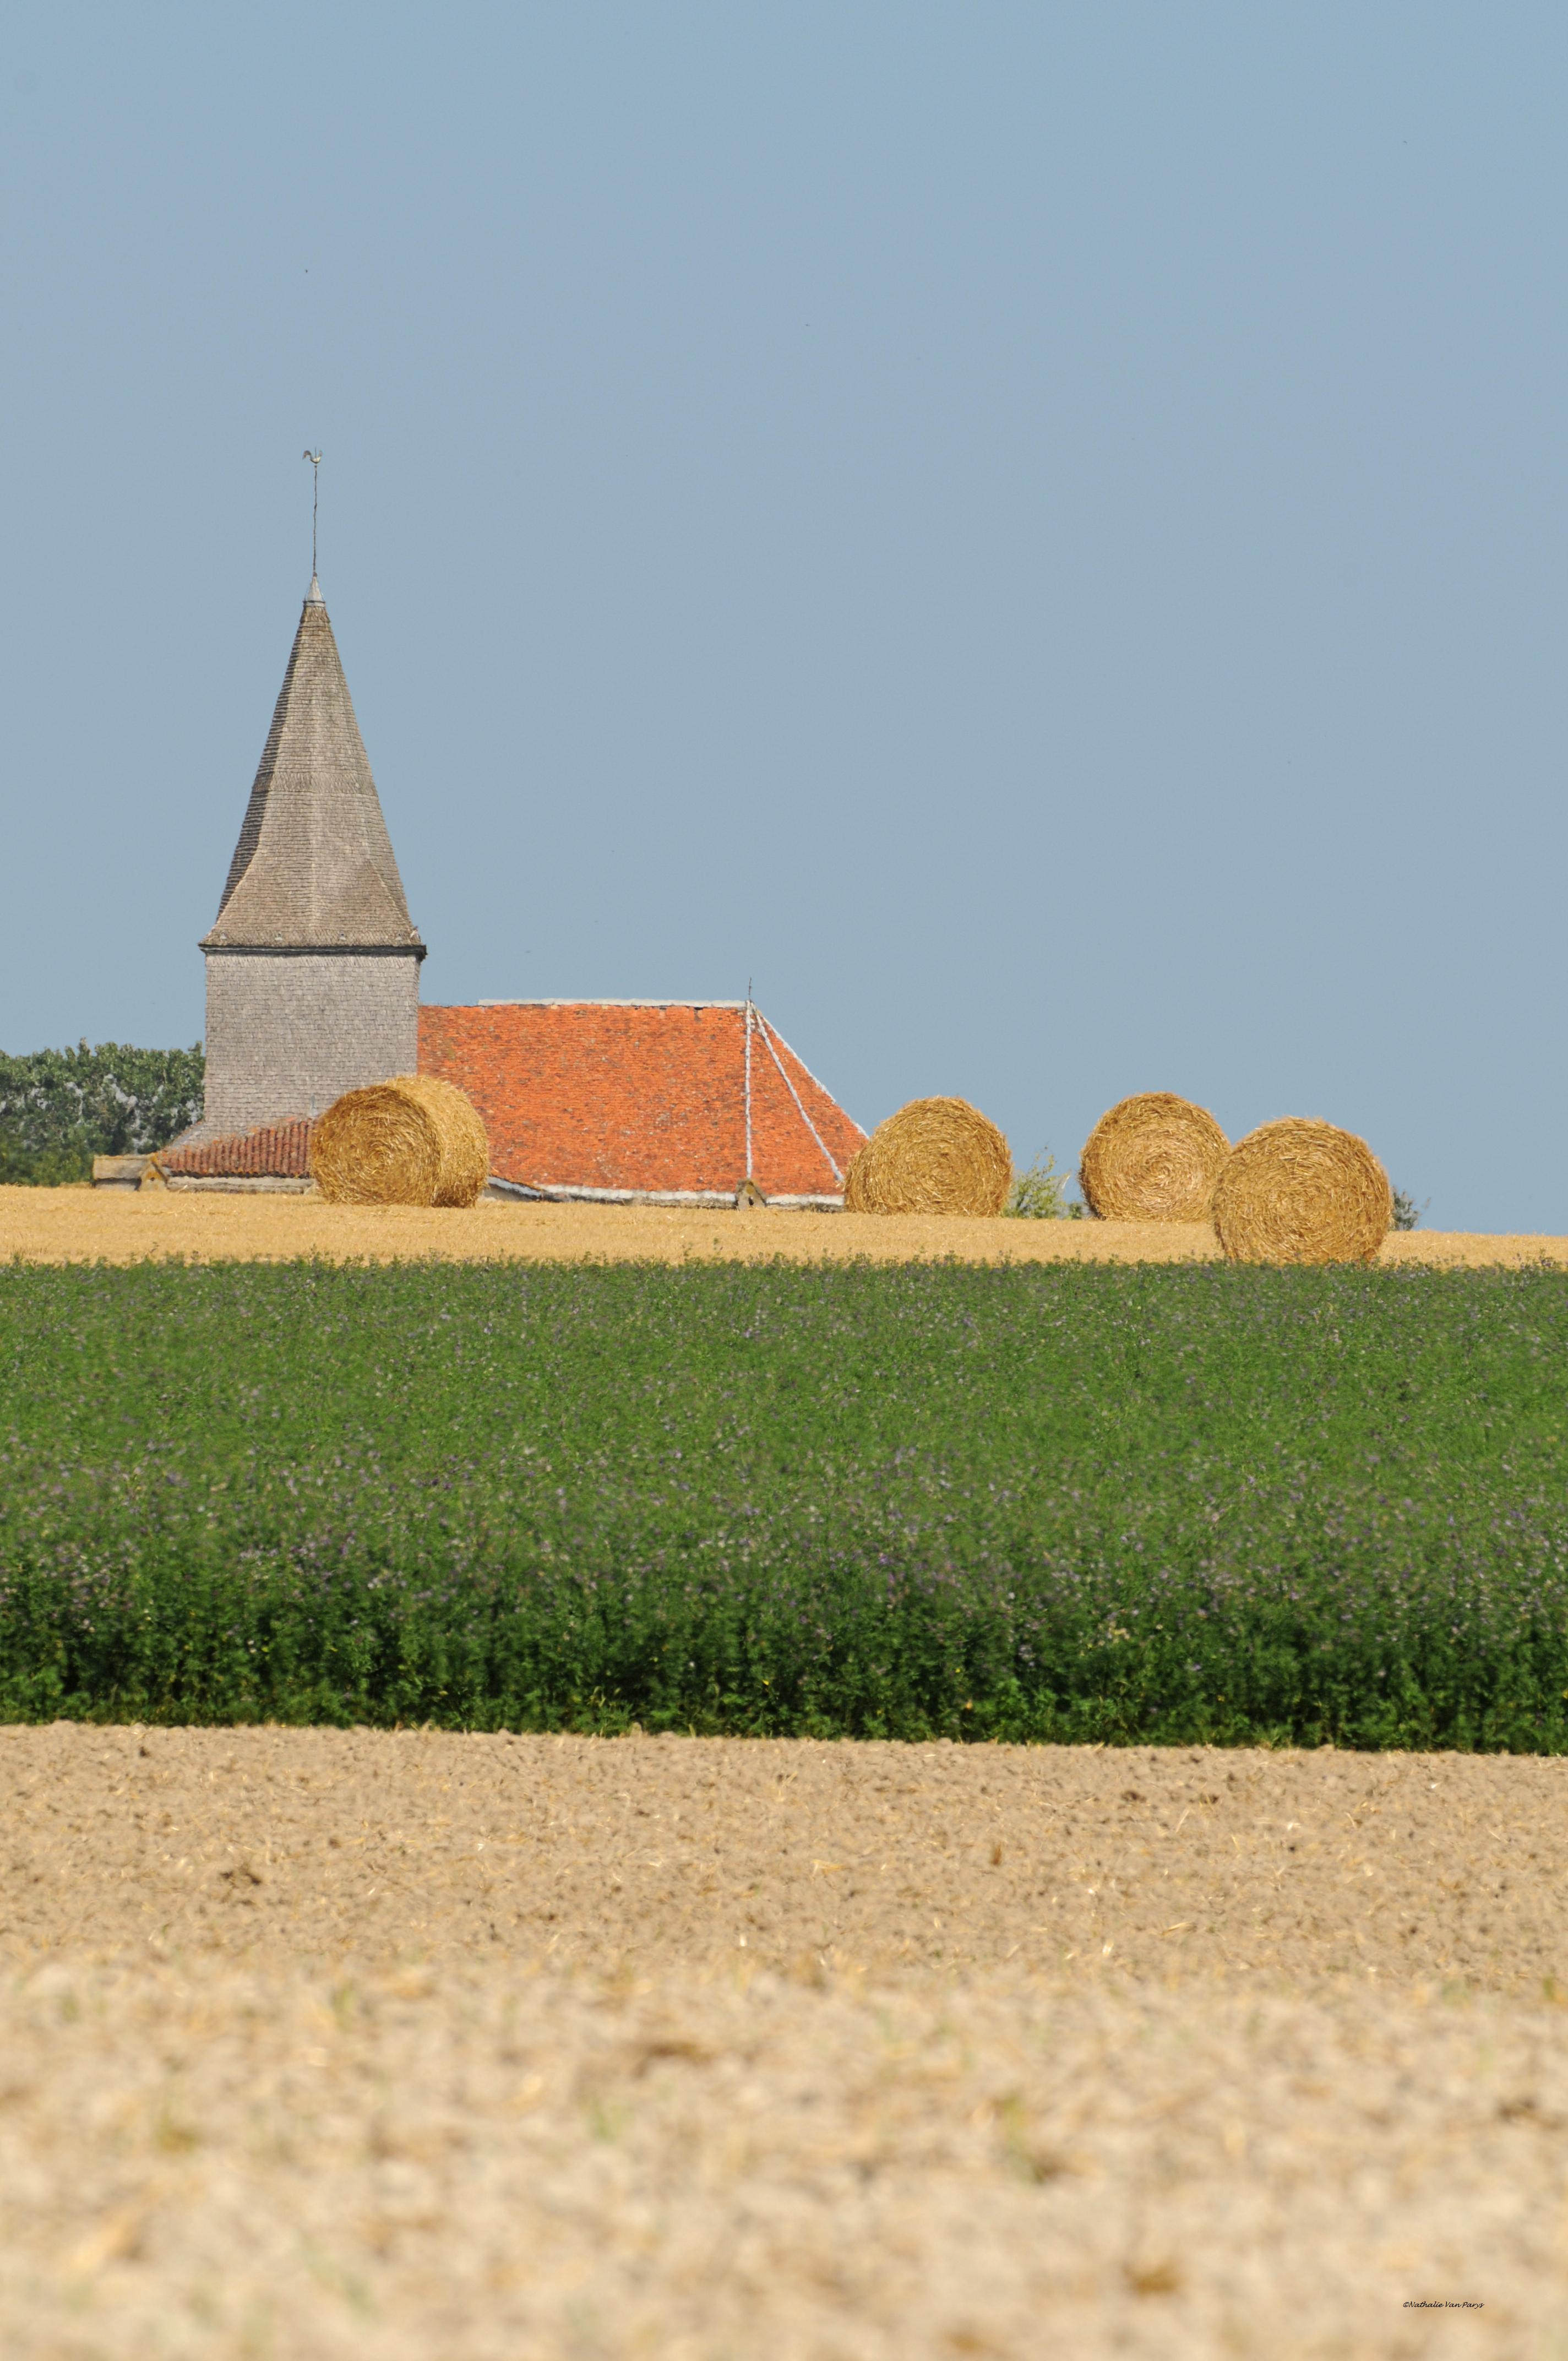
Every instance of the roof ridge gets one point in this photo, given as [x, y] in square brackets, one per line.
[544, 1000]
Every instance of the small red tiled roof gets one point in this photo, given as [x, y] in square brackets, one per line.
[278, 1151]
[646, 1097]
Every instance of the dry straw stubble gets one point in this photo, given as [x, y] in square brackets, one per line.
[1154, 1157]
[414, 1141]
[1299, 1190]
[935, 1156]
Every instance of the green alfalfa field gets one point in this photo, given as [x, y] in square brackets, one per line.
[1190, 1503]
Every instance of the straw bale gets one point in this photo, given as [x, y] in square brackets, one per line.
[935, 1156]
[1302, 1191]
[415, 1141]
[1154, 1157]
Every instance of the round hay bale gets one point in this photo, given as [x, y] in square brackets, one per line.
[1154, 1158]
[935, 1156]
[415, 1141]
[1302, 1191]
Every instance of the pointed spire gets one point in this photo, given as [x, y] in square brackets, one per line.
[313, 868]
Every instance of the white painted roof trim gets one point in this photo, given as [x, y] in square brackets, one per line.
[692, 1200]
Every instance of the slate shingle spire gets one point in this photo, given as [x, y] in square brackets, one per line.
[314, 866]
[312, 962]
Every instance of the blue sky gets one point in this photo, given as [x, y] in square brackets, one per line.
[1036, 533]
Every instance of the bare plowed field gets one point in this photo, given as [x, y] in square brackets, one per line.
[414, 2045]
[83, 1224]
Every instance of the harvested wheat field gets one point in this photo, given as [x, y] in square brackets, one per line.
[400, 2045]
[83, 1224]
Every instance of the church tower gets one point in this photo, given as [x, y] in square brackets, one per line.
[312, 962]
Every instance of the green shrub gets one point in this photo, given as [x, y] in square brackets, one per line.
[42, 1167]
[1039, 1193]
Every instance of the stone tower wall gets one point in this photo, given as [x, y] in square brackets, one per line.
[289, 1031]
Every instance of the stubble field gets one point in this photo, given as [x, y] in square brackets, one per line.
[83, 1225]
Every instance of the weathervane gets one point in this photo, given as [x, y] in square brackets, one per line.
[315, 459]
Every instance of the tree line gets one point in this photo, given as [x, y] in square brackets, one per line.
[60, 1108]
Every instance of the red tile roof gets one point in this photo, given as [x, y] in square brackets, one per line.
[280, 1150]
[639, 1097]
